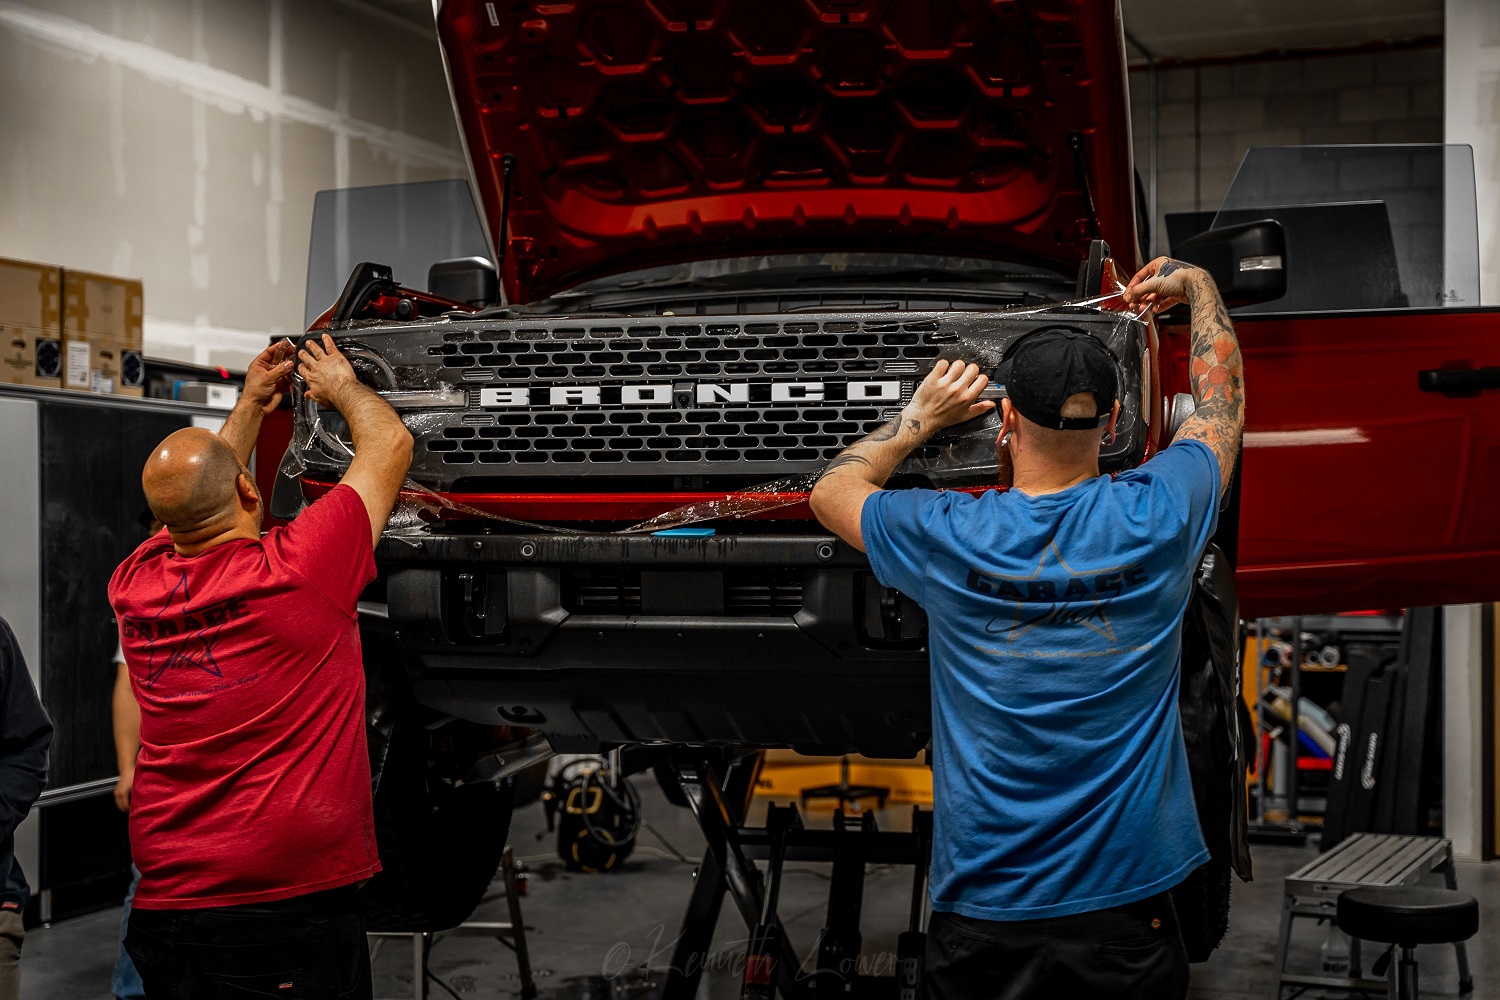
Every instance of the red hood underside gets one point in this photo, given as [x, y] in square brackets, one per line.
[651, 132]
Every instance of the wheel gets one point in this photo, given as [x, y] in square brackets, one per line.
[440, 846]
[1209, 705]
[440, 841]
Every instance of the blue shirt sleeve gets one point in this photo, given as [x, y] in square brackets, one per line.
[1186, 477]
[896, 527]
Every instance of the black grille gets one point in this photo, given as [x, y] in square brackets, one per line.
[772, 592]
[655, 435]
[614, 399]
[746, 592]
[602, 592]
[695, 349]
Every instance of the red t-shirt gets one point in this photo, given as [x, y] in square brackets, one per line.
[253, 781]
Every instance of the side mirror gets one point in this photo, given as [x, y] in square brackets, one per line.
[465, 279]
[1247, 261]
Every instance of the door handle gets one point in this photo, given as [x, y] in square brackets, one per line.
[1458, 381]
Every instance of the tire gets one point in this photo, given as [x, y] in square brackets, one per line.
[440, 842]
[1209, 705]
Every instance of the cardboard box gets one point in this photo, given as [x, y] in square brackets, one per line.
[30, 347]
[102, 324]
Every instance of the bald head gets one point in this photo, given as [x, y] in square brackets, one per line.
[191, 481]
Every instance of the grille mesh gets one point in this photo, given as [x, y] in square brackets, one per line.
[624, 434]
[656, 435]
[711, 349]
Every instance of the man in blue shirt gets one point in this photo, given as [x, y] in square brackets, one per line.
[1063, 807]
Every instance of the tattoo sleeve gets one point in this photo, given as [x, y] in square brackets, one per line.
[1217, 373]
[875, 456]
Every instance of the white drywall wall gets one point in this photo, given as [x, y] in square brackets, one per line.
[182, 141]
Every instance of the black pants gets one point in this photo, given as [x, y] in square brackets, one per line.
[1131, 952]
[308, 948]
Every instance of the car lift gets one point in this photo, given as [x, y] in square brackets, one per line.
[718, 789]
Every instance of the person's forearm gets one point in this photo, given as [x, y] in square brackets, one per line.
[371, 420]
[127, 724]
[1217, 373]
[242, 428]
[875, 456]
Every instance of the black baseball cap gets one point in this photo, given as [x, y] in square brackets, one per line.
[1041, 369]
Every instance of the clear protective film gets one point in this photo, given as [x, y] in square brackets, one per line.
[966, 455]
[957, 457]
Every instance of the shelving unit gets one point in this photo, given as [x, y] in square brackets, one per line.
[1289, 801]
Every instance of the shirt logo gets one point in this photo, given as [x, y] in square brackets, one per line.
[1051, 598]
[184, 637]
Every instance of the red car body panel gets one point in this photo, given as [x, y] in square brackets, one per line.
[1360, 490]
[642, 133]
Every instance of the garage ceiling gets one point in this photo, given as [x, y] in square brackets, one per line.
[1230, 27]
[1217, 28]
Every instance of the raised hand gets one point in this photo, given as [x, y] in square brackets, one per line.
[325, 370]
[1164, 283]
[948, 395]
[266, 377]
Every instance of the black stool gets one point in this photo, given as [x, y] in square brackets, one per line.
[1404, 917]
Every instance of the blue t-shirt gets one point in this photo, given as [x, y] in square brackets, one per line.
[1054, 622]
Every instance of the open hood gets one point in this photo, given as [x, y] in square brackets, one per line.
[644, 132]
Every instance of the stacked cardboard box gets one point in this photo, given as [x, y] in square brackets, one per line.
[102, 320]
[30, 324]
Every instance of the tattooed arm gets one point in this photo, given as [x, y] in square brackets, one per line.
[948, 395]
[1217, 372]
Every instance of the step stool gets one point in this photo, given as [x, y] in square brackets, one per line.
[510, 933]
[1364, 860]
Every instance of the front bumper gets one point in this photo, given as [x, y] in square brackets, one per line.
[600, 640]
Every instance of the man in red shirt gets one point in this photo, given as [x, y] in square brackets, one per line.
[250, 816]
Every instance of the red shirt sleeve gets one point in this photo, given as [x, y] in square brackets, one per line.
[329, 546]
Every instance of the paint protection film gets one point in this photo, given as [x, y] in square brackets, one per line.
[964, 456]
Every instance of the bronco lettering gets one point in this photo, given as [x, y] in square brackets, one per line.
[706, 394]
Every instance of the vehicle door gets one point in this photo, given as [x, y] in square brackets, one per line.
[1372, 436]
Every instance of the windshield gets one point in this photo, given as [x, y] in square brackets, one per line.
[1367, 227]
[408, 226]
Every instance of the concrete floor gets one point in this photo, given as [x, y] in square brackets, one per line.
[595, 937]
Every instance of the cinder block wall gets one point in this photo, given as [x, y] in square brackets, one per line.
[1209, 115]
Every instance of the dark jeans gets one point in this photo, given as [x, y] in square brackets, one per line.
[307, 948]
[1131, 952]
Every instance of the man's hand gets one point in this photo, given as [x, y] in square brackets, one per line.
[1164, 283]
[122, 791]
[948, 395]
[326, 371]
[382, 444]
[266, 378]
[1215, 368]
